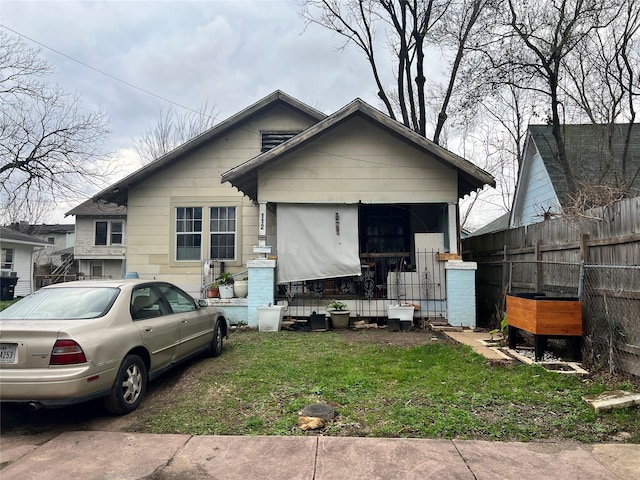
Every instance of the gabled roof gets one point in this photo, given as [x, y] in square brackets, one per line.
[43, 229]
[14, 236]
[499, 224]
[118, 192]
[588, 152]
[97, 208]
[245, 176]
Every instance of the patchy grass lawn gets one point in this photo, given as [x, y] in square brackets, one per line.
[438, 389]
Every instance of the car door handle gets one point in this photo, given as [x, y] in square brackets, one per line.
[185, 321]
[148, 329]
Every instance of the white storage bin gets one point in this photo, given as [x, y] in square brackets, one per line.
[270, 318]
[402, 312]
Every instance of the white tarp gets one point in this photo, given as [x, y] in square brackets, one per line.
[317, 241]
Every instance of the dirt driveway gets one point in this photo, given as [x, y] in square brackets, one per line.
[16, 420]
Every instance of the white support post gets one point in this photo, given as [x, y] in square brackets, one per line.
[453, 228]
[262, 246]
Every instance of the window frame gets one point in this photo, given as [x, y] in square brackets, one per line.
[108, 232]
[4, 254]
[233, 232]
[180, 202]
[112, 233]
[177, 232]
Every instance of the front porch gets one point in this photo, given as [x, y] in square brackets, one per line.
[441, 290]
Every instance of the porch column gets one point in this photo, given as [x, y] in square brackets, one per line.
[461, 293]
[262, 275]
[452, 217]
[262, 246]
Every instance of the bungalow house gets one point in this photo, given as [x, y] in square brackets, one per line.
[100, 240]
[17, 262]
[345, 205]
[599, 156]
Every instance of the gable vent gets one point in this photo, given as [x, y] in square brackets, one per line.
[273, 139]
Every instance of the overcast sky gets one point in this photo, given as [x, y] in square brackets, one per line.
[226, 53]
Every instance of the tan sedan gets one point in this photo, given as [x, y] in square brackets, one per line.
[72, 342]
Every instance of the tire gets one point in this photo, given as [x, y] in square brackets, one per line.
[215, 348]
[129, 387]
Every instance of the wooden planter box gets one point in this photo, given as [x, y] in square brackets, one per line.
[545, 317]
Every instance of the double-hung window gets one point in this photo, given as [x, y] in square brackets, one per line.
[222, 230]
[116, 233]
[7, 259]
[188, 233]
[109, 232]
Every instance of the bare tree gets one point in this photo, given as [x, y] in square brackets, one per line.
[548, 33]
[30, 210]
[173, 129]
[603, 84]
[49, 148]
[412, 27]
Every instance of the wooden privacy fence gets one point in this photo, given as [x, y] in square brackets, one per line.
[595, 256]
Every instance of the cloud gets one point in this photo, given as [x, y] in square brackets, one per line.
[226, 53]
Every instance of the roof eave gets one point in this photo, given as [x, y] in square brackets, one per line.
[118, 192]
[245, 176]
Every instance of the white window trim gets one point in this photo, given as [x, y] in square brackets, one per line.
[206, 234]
[13, 259]
[109, 232]
[235, 233]
[203, 237]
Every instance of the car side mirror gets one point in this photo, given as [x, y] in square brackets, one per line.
[202, 303]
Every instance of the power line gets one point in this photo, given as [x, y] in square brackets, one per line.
[105, 73]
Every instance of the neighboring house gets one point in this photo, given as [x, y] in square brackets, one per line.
[328, 196]
[594, 152]
[18, 258]
[60, 240]
[499, 224]
[100, 239]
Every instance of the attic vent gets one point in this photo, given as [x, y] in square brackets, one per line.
[273, 139]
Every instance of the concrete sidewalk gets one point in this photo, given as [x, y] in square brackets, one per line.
[115, 455]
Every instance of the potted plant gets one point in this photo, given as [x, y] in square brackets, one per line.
[212, 290]
[241, 288]
[225, 284]
[339, 314]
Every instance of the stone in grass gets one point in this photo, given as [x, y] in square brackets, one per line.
[612, 399]
[315, 416]
[311, 423]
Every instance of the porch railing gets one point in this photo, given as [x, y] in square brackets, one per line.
[386, 279]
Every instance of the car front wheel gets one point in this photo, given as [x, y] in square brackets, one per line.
[129, 387]
[215, 349]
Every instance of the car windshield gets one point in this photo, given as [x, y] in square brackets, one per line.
[65, 303]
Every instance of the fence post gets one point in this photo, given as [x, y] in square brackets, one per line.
[539, 273]
[581, 282]
[584, 248]
[506, 271]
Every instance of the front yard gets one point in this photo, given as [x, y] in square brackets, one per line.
[381, 384]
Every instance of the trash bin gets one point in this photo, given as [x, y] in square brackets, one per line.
[7, 287]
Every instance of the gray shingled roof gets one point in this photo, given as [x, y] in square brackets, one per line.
[44, 228]
[588, 150]
[93, 208]
[10, 235]
[499, 224]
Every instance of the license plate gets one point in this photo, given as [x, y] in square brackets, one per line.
[8, 352]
